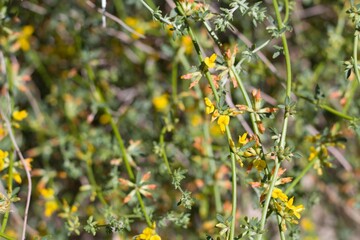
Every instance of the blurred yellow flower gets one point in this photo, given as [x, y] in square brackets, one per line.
[47, 193]
[3, 154]
[149, 234]
[161, 102]
[17, 177]
[23, 38]
[278, 193]
[259, 164]
[20, 115]
[104, 119]
[209, 106]
[196, 120]
[50, 207]
[223, 121]
[210, 61]
[187, 44]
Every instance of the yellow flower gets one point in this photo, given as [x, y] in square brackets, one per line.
[47, 193]
[23, 39]
[20, 115]
[104, 119]
[209, 106]
[259, 164]
[313, 153]
[187, 44]
[17, 177]
[210, 61]
[278, 193]
[223, 121]
[243, 139]
[3, 154]
[196, 120]
[149, 234]
[2, 132]
[50, 207]
[296, 210]
[161, 102]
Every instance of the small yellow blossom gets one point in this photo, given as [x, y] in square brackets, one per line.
[259, 164]
[17, 177]
[20, 115]
[296, 210]
[209, 106]
[104, 119]
[243, 139]
[23, 40]
[196, 120]
[307, 225]
[47, 193]
[210, 61]
[50, 207]
[161, 102]
[3, 154]
[2, 132]
[223, 121]
[187, 44]
[149, 234]
[278, 193]
[313, 153]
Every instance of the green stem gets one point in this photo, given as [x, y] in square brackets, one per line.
[286, 17]
[93, 183]
[163, 151]
[121, 146]
[174, 75]
[99, 97]
[10, 186]
[6, 237]
[285, 124]
[217, 99]
[143, 209]
[355, 64]
[300, 176]
[330, 109]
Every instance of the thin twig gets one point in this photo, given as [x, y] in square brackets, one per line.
[115, 19]
[17, 149]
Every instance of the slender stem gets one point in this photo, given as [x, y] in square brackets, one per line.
[99, 96]
[6, 237]
[143, 209]
[268, 198]
[92, 180]
[27, 171]
[10, 185]
[330, 109]
[233, 189]
[228, 134]
[163, 150]
[286, 17]
[121, 146]
[355, 64]
[285, 123]
[174, 75]
[300, 176]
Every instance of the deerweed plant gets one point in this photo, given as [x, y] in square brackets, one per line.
[175, 125]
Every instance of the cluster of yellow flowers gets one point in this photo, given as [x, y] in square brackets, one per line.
[149, 234]
[222, 120]
[51, 204]
[285, 208]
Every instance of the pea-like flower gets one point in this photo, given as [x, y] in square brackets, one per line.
[210, 61]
